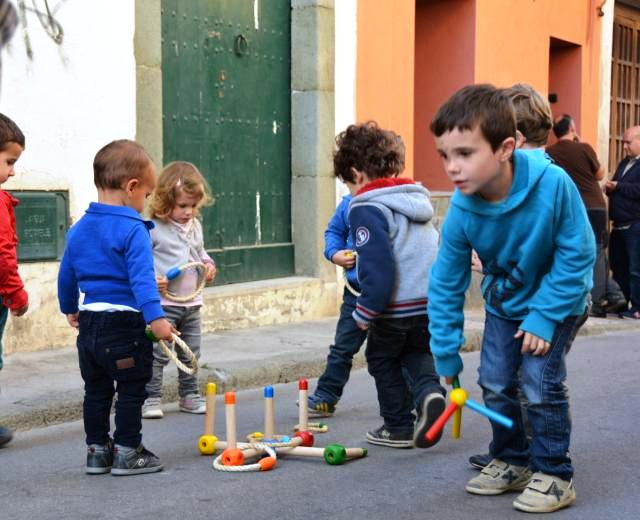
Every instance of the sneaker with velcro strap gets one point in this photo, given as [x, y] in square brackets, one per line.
[193, 403]
[134, 461]
[545, 494]
[499, 477]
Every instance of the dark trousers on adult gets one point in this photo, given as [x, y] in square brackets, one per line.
[115, 356]
[348, 340]
[400, 361]
[605, 291]
[624, 254]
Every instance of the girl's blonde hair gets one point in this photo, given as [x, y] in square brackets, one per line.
[179, 176]
[533, 113]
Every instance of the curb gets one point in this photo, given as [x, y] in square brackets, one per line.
[68, 407]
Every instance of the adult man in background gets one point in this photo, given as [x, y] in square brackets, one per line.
[623, 191]
[580, 161]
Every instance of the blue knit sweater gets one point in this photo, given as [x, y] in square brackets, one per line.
[108, 257]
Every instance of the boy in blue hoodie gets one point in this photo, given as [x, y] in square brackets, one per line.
[108, 258]
[395, 242]
[338, 249]
[524, 217]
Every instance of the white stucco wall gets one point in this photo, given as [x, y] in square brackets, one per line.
[345, 71]
[69, 101]
[604, 104]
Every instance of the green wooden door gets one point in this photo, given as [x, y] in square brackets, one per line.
[227, 108]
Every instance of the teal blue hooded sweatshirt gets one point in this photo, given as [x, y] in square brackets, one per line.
[537, 250]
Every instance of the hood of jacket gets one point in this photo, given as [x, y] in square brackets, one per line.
[402, 196]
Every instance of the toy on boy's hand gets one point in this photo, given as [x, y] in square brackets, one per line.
[193, 360]
[459, 398]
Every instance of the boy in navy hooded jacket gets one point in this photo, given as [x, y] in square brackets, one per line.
[395, 242]
[524, 217]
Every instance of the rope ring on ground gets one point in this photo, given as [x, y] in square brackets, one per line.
[174, 272]
[262, 465]
[193, 360]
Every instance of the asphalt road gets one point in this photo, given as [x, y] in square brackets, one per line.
[41, 472]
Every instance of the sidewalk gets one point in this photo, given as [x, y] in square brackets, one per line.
[42, 388]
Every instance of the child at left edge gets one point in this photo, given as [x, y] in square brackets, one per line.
[13, 297]
[176, 240]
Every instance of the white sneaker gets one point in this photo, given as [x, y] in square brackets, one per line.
[151, 408]
[193, 403]
[499, 477]
[545, 494]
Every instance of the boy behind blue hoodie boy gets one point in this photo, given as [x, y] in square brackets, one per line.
[524, 217]
[395, 241]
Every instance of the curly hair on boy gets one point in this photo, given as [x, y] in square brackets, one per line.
[368, 148]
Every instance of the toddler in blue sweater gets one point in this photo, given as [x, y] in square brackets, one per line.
[108, 258]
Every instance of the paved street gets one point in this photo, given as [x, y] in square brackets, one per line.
[41, 472]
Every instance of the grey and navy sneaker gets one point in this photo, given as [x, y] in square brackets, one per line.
[428, 412]
[499, 477]
[383, 437]
[5, 435]
[134, 461]
[545, 494]
[99, 458]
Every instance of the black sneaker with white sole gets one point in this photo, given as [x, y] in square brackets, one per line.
[432, 407]
[383, 437]
[99, 458]
[134, 461]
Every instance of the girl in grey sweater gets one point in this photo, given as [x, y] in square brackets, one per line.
[177, 240]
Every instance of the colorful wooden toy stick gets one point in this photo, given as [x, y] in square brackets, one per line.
[269, 416]
[232, 456]
[457, 416]
[230, 416]
[459, 399]
[436, 427]
[207, 442]
[490, 414]
[303, 405]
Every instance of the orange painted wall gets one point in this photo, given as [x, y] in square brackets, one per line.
[513, 40]
[384, 67]
[444, 50]
[511, 43]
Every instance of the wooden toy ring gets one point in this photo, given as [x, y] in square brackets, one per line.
[174, 272]
[264, 464]
[193, 360]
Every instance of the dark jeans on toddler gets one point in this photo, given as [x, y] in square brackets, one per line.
[543, 383]
[400, 361]
[348, 340]
[187, 321]
[115, 356]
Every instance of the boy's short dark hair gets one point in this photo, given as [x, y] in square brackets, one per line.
[481, 105]
[562, 125]
[9, 133]
[370, 149]
[119, 162]
[533, 113]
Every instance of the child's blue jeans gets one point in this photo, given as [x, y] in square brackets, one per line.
[543, 383]
[115, 355]
[349, 338]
